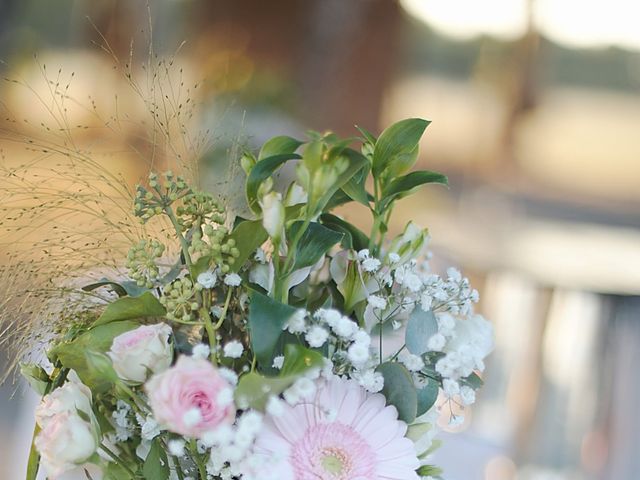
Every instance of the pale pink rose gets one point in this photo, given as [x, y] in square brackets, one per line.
[146, 349]
[191, 398]
[69, 398]
[65, 442]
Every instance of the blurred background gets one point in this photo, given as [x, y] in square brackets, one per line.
[536, 120]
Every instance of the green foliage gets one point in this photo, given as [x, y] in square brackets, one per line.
[315, 241]
[248, 235]
[429, 471]
[72, 354]
[396, 149]
[263, 170]
[267, 318]
[156, 465]
[427, 396]
[407, 184]
[399, 390]
[36, 376]
[127, 308]
[254, 389]
[421, 326]
[277, 146]
[353, 238]
[474, 381]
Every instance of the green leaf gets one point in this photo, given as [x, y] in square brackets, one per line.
[98, 339]
[298, 359]
[278, 146]
[260, 172]
[429, 471]
[397, 147]
[127, 308]
[355, 188]
[254, 390]
[427, 396]
[114, 471]
[354, 239]
[248, 235]
[356, 162]
[200, 266]
[122, 289]
[315, 242]
[474, 381]
[36, 376]
[409, 183]
[267, 318]
[34, 457]
[420, 328]
[368, 136]
[399, 390]
[156, 465]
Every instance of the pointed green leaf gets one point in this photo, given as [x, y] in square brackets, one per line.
[315, 242]
[354, 239]
[278, 146]
[397, 146]
[298, 359]
[126, 308]
[267, 318]
[356, 162]
[156, 465]
[248, 235]
[409, 183]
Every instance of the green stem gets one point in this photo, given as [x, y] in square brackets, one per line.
[183, 241]
[118, 461]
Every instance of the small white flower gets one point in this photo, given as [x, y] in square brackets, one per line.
[345, 327]
[275, 406]
[412, 282]
[278, 362]
[225, 397]
[305, 388]
[450, 387]
[192, 418]
[394, 257]
[316, 336]
[232, 280]
[426, 300]
[201, 351]
[467, 395]
[436, 342]
[297, 323]
[233, 349]
[413, 362]
[363, 254]
[330, 316]
[371, 265]
[229, 375]
[207, 279]
[371, 380]
[454, 274]
[361, 337]
[176, 447]
[377, 302]
[358, 354]
[456, 420]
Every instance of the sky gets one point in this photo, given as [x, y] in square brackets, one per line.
[573, 23]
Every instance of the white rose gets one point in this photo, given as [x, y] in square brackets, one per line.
[146, 349]
[71, 397]
[65, 442]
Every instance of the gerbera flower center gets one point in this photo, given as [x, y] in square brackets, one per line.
[332, 451]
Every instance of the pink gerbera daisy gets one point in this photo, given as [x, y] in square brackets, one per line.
[345, 433]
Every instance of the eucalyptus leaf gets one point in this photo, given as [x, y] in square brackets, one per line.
[399, 390]
[156, 465]
[316, 241]
[427, 396]
[278, 145]
[267, 318]
[126, 308]
[260, 172]
[354, 239]
[397, 147]
[420, 328]
[474, 381]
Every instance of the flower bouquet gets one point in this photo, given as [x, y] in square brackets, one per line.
[286, 344]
